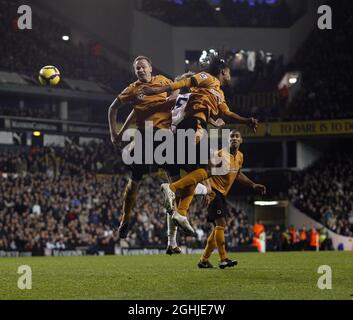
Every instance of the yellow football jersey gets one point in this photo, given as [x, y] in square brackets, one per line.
[232, 165]
[207, 98]
[152, 108]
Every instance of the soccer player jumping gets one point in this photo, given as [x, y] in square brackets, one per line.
[156, 109]
[205, 101]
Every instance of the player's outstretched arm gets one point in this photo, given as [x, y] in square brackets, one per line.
[174, 86]
[126, 124]
[113, 124]
[250, 122]
[259, 188]
[175, 93]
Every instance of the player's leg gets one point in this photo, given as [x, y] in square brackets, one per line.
[197, 172]
[185, 200]
[130, 194]
[189, 181]
[217, 213]
[172, 247]
[221, 245]
[172, 228]
[193, 178]
[210, 246]
[180, 214]
[131, 189]
[211, 241]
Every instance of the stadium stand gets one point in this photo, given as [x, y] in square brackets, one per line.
[324, 191]
[25, 52]
[64, 198]
[49, 198]
[325, 92]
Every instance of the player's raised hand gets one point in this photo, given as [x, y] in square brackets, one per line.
[116, 138]
[259, 188]
[219, 123]
[253, 124]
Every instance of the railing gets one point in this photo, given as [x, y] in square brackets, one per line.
[258, 99]
[53, 126]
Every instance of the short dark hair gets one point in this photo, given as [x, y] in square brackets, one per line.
[234, 131]
[139, 58]
[216, 66]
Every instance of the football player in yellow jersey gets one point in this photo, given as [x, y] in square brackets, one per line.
[207, 98]
[206, 101]
[219, 187]
[156, 109]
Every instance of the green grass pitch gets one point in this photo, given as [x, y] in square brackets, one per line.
[258, 276]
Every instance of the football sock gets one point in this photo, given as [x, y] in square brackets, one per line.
[130, 195]
[172, 231]
[193, 178]
[187, 194]
[220, 242]
[210, 246]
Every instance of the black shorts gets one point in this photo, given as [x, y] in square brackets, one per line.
[138, 169]
[218, 207]
[190, 164]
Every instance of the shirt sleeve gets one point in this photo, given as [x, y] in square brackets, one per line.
[165, 80]
[184, 83]
[223, 107]
[200, 80]
[127, 95]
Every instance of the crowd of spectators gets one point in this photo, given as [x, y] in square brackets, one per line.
[64, 198]
[71, 160]
[292, 239]
[325, 192]
[26, 52]
[223, 13]
[67, 198]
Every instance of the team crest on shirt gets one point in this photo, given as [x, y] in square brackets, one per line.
[203, 75]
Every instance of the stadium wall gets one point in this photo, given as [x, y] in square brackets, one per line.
[302, 28]
[110, 24]
[306, 154]
[298, 218]
[153, 38]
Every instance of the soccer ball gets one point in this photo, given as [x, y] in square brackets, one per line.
[49, 75]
